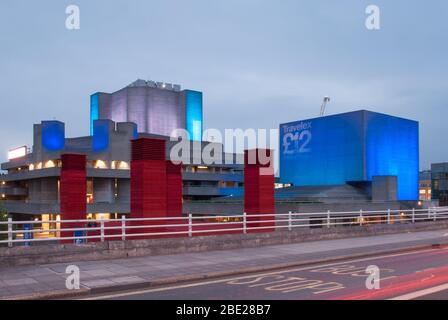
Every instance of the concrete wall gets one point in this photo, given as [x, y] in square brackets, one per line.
[45, 190]
[103, 190]
[42, 254]
[124, 190]
[154, 110]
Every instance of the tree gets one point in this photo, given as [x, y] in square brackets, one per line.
[3, 227]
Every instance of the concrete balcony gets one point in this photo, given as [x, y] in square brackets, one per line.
[205, 176]
[108, 173]
[117, 174]
[33, 174]
[211, 191]
[43, 207]
[13, 191]
[56, 172]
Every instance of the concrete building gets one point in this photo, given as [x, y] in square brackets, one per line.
[425, 185]
[353, 161]
[353, 148]
[31, 185]
[439, 182]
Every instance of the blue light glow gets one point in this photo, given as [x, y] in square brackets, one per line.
[392, 148]
[194, 114]
[322, 151]
[352, 146]
[53, 135]
[100, 140]
[94, 110]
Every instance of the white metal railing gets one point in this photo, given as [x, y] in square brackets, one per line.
[81, 231]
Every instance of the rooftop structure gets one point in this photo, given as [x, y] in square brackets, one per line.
[155, 107]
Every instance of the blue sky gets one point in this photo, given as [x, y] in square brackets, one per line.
[258, 62]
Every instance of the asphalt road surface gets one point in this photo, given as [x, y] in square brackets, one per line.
[419, 274]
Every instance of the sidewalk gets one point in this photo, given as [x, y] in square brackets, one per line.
[47, 281]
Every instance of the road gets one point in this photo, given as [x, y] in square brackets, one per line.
[419, 274]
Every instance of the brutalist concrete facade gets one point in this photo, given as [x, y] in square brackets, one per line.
[155, 107]
[108, 157]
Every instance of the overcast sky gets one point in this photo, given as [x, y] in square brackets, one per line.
[258, 62]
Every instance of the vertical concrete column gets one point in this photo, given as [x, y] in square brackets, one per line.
[148, 182]
[174, 189]
[259, 189]
[72, 192]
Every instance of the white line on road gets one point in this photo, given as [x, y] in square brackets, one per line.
[196, 284]
[422, 293]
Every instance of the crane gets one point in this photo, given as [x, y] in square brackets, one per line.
[324, 105]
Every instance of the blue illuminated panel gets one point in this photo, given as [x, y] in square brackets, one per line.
[53, 135]
[100, 140]
[322, 151]
[94, 110]
[352, 146]
[194, 114]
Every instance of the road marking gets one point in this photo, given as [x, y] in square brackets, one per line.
[197, 284]
[421, 293]
[348, 270]
[288, 284]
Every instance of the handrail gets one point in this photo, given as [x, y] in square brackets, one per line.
[82, 230]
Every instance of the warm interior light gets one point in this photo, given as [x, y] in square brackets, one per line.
[17, 153]
[120, 165]
[102, 216]
[100, 164]
[49, 164]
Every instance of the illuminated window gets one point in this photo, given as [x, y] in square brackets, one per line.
[120, 165]
[102, 216]
[31, 167]
[49, 164]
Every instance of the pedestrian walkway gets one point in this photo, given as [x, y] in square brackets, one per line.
[40, 281]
